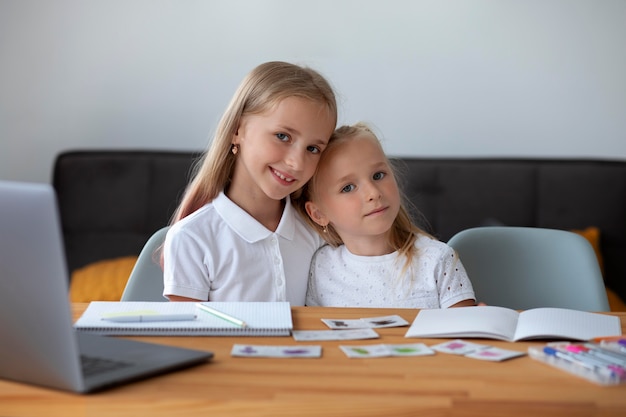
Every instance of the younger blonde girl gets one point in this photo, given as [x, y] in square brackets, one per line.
[376, 256]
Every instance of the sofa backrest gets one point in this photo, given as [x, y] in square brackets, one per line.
[112, 201]
[454, 194]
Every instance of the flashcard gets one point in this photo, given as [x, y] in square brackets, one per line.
[386, 321]
[457, 347]
[410, 349]
[365, 351]
[383, 350]
[366, 323]
[476, 351]
[262, 351]
[490, 353]
[342, 324]
[352, 334]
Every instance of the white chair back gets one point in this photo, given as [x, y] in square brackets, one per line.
[145, 282]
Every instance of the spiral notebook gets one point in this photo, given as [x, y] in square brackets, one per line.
[185, 319]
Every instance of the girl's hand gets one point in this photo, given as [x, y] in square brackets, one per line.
[468, 303]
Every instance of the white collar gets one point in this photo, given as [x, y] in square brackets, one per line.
[247, 226]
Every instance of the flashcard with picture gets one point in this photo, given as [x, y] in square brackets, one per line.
[366, 323]
[384, 350]
[263, 351]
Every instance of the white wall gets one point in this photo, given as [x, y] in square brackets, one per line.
[437, 78]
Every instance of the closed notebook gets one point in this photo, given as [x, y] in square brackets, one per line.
[261, 319]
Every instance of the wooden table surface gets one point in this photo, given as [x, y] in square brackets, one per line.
[334, 385]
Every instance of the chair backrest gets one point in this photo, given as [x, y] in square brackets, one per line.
[526, 267]
[145, 282]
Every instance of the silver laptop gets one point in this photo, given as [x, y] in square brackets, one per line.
[38, 344]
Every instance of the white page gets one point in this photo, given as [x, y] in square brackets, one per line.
[566, 324]
[480, 321]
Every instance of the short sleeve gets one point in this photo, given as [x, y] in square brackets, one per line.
[184, 270]
[453, 282]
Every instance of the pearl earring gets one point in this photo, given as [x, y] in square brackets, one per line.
[234, 149]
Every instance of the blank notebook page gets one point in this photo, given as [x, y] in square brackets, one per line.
[566, 323]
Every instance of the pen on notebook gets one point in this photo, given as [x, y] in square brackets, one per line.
[221, 315]
[134, 318]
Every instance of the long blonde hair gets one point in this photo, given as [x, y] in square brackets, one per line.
[262, 88]
[403, 232]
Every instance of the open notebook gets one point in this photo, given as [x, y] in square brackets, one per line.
[261, 318]
[493, 322]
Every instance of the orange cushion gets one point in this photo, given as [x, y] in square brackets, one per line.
[592, 234]
[615, 302]
[103, 280]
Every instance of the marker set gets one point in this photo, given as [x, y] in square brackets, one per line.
[600, 361]
[614, 344]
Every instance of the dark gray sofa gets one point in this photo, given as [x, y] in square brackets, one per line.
[112, 201]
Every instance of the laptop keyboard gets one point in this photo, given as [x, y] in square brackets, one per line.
[93, 365]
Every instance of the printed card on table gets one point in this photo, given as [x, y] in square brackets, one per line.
[351, 334]
[366, 323]
[263, 351]
[365, 351]
[457, 347]
[494, 354]
[476, 350]
[384, 350]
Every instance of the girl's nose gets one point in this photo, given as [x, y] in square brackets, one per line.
[371, 191]
[295, 158]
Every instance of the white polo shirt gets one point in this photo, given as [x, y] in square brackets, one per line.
[221, 253]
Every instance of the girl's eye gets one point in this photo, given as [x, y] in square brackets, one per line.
[282, 137]
[379, 176]
[313, 149]
[347, 188]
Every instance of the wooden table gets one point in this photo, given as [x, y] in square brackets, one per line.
[439, 385]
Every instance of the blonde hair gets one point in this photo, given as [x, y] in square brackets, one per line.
[403, 232]
[261, 89]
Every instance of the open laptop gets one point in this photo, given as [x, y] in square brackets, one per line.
[38, 343]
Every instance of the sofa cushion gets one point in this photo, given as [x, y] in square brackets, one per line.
[111, 202]
[103, 280]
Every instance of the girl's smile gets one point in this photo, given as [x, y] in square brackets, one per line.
[284, 178]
